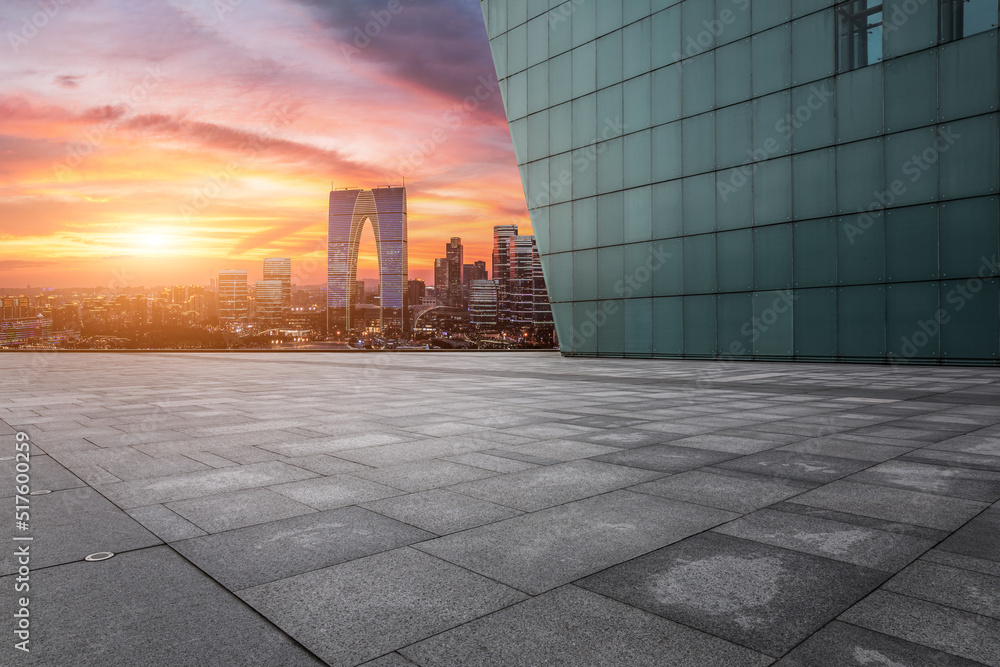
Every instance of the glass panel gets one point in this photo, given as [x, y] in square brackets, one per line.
[636, 48]
[773, 320]
[560, 23]
[968, 77]
[610, 166]
[772, 257]
[859, 34]
[909, 26]
[668, 326]
[861, 249]
[961, 18]
[667, 209]
[609, 111]
[584, 121]
[803, 7]
[563, 315]
[969, 162]
[699, 204]
[699, 144]
[699, 264]
[610, 272]
[735, 316]
[911, 243]
[860, 172]
[540, 225]
[970, 332]
[812, 47]
[769, 13]
[859, 104]
[812, 119]
[667, 151]
[585, 224]
[561, 128]
[638, 159]
[538, 136]
[911, 167]
[517, 13]
[732, 136]
[815, 253]
[519, 135]
[698, 93]
[699, 325]
[635, 10]
[638, 103]
[584, 68]
[584, 20]
[695, 36]
[669, 279]
[498, 47]
[861, 322]
[561, 289]
[538, 40]
[732, 73]
[517, 96]
[639, 326]
[912, 326]
[814, 184]
[610, 219]
[735, 261]
[734, 202]
[638, 214]
[609, 58]
[771, 60]
[772, 191]
[640, 265]
[770, 125]
[815, 322]
[517, 49]
[735, 16]
[538, 180]
[969, 238]
[561, 78]
[666, 48]
[910, 91]
[666, 94]
[584, 335]
[609, 16]
[561, 229]
[584, 275]
[560, 178]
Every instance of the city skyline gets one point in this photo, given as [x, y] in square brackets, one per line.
[177, 143]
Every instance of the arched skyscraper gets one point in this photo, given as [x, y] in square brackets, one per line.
[385, 208]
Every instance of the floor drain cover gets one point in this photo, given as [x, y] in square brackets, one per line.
[40, 493]
[100, 555]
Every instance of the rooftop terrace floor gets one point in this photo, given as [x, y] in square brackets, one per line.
[448, 509]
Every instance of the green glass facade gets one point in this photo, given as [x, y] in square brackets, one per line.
[761, 179]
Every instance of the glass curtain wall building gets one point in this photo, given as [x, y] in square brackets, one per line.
[760, 179]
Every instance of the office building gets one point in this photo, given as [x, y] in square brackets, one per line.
[454, 253]
[776, 179]
[415, 290]
[233, 304]
[501, 265]
[520, 297]
[385, 209]
[483, 303]
[441, 293]
[268, 302]
[280, 268]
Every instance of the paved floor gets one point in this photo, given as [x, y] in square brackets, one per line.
[501, 509]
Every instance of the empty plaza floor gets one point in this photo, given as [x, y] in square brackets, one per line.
[493, 509]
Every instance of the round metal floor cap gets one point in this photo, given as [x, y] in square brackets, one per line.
[40, 493]
[100, 555]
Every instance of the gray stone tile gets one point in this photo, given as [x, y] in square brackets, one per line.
[900, 505]
[138, 493]
[165, 524]
[964, 562]
[490, 462]
[356, 611]
[71, 524]
[971, 444]
[406, 452]
[327, 493]
[974, 592]
[796, 465]
[734, 491]
[542, 550]
[756, 595]
[980, 538]
[259, 554]
[324, 465]
[536, 489]
[948, 481]
[625, 438]
[237, 509]
[570, 626]
[561, 450]
[423, 475]
[958, 459]
[727, 443]
[440, 511]
[389, 660]
[921, 622]
[830, 539]
[665, 458]
[850, 646]
[847, 449]
[146, 607]
[45, 474]
[910, 530]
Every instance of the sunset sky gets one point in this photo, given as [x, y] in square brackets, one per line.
[159, 142]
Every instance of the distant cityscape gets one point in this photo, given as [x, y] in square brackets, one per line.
[469, 306]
